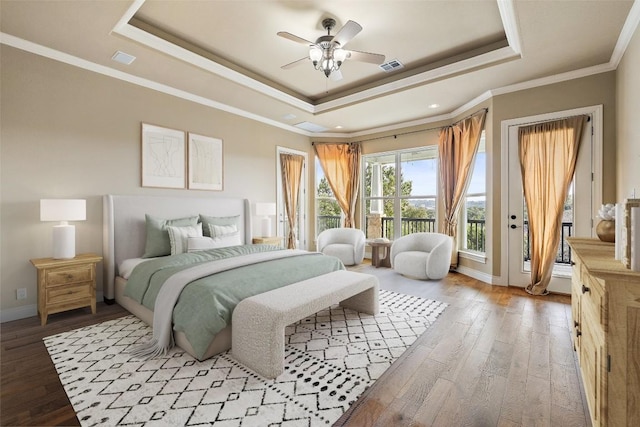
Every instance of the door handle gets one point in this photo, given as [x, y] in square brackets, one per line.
[513, 217]
[513, 226]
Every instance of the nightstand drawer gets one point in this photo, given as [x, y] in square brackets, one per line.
[63, 276]
[61, 294]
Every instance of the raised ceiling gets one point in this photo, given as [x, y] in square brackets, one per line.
[226, 54]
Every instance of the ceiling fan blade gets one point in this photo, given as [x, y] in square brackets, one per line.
[294, 38]
[372, 58]
[335, 75]
[294, 63]
[346, 33]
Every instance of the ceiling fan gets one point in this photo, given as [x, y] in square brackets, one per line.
[327, 53]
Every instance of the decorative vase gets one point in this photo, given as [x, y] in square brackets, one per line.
[606, 231]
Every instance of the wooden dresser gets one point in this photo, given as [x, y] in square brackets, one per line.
[65, 284]
[605, 306]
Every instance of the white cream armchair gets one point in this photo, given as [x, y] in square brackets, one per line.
[422, 255]
[347, 244]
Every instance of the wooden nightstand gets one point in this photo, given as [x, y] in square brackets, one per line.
[65, 284]
[267, 241]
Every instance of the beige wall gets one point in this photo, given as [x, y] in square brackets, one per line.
[583, 92]
[628, 125]
[70, 133]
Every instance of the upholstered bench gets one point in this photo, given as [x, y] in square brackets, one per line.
[259, 321]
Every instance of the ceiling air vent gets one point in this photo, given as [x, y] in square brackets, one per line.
[392, 65]
[311, 127]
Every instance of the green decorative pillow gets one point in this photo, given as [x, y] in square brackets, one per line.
[158, 243]
[218, 220]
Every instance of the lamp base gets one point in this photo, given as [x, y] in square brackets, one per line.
[266, 227]
[64, 241]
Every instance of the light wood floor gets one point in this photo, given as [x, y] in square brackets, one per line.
[495, 357]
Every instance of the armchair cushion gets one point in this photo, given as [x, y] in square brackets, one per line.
[422, 255]
[347, 244]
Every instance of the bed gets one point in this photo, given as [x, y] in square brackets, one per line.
[125, 236]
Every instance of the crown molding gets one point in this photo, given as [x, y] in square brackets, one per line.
[506, 8]
[628, 29]
[507, 14]
[27, 46]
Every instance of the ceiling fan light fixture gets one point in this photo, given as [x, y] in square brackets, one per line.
[327, 53]
[339, 55]
[315, 54]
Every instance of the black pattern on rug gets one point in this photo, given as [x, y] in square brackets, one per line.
[331, 358]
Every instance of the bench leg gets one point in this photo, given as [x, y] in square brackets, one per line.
[258, 344]
[364, 302]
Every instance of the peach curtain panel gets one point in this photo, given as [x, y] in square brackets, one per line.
[548, 153]
[341, 166]
[457, 148]
[291, 166]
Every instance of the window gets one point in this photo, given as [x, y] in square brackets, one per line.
[400, 191]
[328, 212]
[473, 213]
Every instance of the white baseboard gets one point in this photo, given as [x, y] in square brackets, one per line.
[24, 311]
[478, 275]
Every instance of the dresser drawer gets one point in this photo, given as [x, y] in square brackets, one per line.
[66, 275]
[62, 294]
[593, 303]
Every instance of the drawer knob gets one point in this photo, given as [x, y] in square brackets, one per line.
[578, 333]
[575, 324]
[585, 289]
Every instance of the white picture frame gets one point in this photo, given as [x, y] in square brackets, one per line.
[163, 157]
[206, 165]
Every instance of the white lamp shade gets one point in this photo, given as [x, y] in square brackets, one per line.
[265, 209]
[63, 210]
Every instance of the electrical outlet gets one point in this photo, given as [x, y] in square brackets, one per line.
[21, 293]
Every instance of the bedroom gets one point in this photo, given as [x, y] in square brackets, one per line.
[70, 132]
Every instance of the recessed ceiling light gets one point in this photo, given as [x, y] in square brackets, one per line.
[123, 58]
[338, 127]
[434, 105]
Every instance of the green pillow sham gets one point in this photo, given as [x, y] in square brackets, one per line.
[157, 242]
[218, 220]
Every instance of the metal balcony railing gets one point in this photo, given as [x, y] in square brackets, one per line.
[476, 236]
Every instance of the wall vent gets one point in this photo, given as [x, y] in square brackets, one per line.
[392, 65]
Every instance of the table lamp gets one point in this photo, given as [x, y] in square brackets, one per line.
[64, 235]
[266, 210]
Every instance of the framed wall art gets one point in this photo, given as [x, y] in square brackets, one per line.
[205, 163]
[163, 157]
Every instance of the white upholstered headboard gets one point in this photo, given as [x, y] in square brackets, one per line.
[124, 224]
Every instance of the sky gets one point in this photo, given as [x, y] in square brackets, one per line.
[425, 179]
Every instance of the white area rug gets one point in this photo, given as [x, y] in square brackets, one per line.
[331, 358]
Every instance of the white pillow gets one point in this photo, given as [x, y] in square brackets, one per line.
[179, 236]
[195, 244]
[225, 235]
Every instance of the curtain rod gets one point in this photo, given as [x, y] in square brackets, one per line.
[396, 135]
[555, 119]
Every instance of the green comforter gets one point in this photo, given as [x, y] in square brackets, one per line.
[206, 305]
